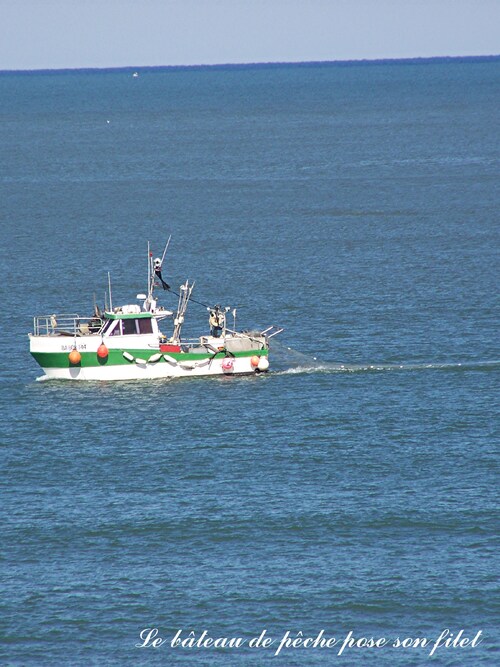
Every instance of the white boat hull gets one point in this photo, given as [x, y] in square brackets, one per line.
[150, 371]
[143, 359]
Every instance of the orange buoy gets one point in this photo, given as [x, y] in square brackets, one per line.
[254, 361]
[102, 351]
[74, 357]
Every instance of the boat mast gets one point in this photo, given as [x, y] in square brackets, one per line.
[154, 265]
[150, 292]
[148, 304]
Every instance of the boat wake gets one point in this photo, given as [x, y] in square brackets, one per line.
[298, 363]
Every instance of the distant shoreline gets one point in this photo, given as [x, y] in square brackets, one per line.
[263, 65]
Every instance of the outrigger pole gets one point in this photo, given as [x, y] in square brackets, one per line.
[154, 270]
[166, 248]
[184, 295]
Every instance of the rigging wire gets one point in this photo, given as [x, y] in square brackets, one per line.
[190, 299]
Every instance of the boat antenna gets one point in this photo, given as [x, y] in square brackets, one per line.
[109, 287]
[149, 272]
[105, 301]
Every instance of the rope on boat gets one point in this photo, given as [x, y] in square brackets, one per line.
[185, 365]
[190, 299]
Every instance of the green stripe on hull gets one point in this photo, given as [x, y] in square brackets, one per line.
[116, 358]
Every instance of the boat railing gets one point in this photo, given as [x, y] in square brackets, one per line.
[66, 324]
[196, 342]
[190, 341]
[256, 336]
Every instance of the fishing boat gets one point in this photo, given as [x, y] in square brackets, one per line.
[143, 340]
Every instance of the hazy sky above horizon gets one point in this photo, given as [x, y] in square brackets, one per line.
[46, 34]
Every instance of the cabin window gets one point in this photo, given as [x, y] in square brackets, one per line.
[145, 325]
[128, 327]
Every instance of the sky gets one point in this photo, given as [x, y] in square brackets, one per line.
[53, 34]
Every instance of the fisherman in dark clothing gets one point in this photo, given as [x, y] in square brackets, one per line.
[216, 321]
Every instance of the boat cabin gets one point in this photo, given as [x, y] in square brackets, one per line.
[124, 321]
[129, 324]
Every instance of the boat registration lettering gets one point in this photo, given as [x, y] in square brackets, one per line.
[68, 348]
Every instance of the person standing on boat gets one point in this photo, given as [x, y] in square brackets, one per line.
[216, 321]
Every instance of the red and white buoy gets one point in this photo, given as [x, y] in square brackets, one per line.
[227, 365]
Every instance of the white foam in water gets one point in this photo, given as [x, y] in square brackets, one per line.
[302, 363]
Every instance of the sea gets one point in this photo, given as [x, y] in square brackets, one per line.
[341, 509]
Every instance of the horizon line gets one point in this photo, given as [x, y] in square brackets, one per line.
[257, 64]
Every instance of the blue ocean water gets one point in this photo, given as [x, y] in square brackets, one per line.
[352, 488]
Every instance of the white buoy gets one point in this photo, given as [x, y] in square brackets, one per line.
[263, 364]
[170, 359]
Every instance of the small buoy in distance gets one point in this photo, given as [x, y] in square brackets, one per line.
[74, 357]
[108, 121]
[263, 364]
[102, 351]
[255, 361]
